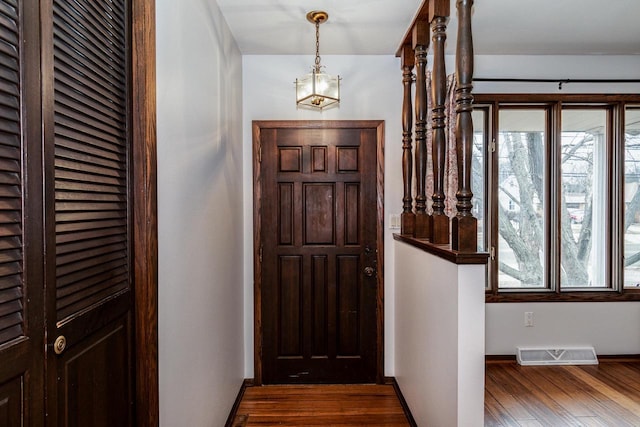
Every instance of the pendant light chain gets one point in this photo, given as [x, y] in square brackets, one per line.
[317, 46]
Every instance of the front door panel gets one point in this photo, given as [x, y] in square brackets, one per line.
[319, 233]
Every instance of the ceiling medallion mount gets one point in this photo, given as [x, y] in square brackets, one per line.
[317, 90]
[317, 16]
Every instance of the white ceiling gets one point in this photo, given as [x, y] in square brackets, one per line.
[376, 27]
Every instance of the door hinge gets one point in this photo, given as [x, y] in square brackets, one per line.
[492, 253]
[492, 146]
[260, 255]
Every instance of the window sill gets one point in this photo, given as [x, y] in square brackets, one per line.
[576, 296]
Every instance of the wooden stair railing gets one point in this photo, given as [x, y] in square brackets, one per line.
[437, 228]
[465, 225]
[408, 217]
[420, 44]
[438, 15]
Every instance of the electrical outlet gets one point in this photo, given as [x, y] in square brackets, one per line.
[528, 319]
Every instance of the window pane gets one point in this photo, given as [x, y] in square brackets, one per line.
[632, 198]
[521, 183]
[477, 174]
[583, 209]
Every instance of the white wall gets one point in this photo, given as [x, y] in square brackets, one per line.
[371, 89]
[611, 327]
[439, 338]
[199, 88]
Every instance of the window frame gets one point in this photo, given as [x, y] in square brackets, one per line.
[615, 106]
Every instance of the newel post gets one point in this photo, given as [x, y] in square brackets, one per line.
[438, 13]
[408, 218]
[420, 44]
[464, 236]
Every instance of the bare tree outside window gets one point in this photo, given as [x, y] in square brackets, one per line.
[521, 196]
[632, 199]
[584, 198]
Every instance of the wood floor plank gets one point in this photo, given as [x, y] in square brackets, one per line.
[542, 408]
[504, 394]
[327, 405]
[600, 395]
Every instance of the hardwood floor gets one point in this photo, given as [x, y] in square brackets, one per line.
[315, 405]
[602, 395]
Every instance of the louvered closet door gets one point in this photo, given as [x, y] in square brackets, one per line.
[21, 273]
[90, 288]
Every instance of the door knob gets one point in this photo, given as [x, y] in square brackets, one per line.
[369, 271]
[60, 344]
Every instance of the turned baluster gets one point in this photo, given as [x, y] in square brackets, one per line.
[408, 218]
[438, 13]
[420, 44]
[465, 226]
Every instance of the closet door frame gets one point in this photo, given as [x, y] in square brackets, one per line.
[145, 215]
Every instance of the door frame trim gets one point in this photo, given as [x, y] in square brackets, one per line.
[145, 213]
[257, 126]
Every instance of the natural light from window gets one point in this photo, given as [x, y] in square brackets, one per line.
[584, 199]
[521, 198]
[632, 198]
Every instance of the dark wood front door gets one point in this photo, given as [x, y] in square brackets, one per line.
[319, 246]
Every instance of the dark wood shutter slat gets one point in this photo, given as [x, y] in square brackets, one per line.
[89, 299]
[95, 151]
[74, 207]
[11, 308]
[8, 49]
[12, 294]
[91, 141]
[77, 54]
[86, 236]
[92, 188]
[92, 169]
[78, 82]
[12, 242]
[114, 9]
[87, 245]
[10, 191]
[86, 129]
[103, 270]
[93, 122]
[12, 332]
[91, 154]
[10, 204]
[70, 268]
[83, 32]
[8, 112]
[65, 153]
[11, 230]
[96, 28]
[68, 95]
[9, 127]
[89, 253]
[8, 91]
[99, 111]
[11, 275]
[90, 178]
[91, 225]
[117, 275]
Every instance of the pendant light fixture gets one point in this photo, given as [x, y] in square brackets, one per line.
[317, 90]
